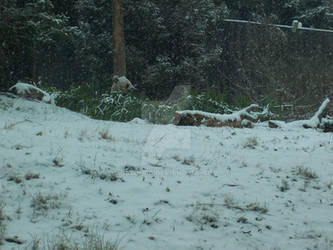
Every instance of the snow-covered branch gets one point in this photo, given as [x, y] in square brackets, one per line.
[315, 121]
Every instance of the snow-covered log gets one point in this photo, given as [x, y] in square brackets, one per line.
[315, 121]
[319, 120]
[238, 119]
[29, 91]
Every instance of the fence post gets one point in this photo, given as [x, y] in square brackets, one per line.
[295, 25]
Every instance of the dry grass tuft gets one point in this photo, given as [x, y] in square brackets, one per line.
[188, 161]
[253, 206]
[305, 173]
[251, 143]
[100, 174]
[16, 178]
[29, 176]
[105, 135]
[41, 203]
[83, 135]
[204, 214]
[284, 186]
[2, 219]
[63, 242]
[256, 207]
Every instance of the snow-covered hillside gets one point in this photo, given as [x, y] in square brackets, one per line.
[162, 187]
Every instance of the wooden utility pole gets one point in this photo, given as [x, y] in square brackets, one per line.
[118, 38]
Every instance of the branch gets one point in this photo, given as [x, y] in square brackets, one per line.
[315, 121]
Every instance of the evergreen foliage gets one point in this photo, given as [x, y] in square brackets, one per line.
[168, 43]
[116, 106]
[87, 100]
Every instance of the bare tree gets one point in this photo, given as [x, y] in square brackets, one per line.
[119, 57]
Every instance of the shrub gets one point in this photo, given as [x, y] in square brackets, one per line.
[81, 99]
[117, 106]
[87, 100]
[240, 100]
[209, 101]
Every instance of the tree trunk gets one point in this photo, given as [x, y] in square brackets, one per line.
[119, 57]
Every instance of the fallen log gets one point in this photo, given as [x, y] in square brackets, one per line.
[319, 120]
[315, 121]
[31, 92]
[238, 119]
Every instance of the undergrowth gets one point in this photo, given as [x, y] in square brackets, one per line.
[118, 106]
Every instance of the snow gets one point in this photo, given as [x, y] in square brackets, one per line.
[173, 187]
[138, 121]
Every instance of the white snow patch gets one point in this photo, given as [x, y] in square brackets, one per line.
[162, 187]
[137, 120]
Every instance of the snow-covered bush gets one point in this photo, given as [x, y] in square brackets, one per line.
[87, 100]
[209, 101]
[118, 107]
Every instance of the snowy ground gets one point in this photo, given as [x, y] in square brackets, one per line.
[162, 187]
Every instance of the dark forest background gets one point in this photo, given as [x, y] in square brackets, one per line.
[69, 43]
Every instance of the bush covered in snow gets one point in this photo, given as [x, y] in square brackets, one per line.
[118, 107]
[209, 101]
